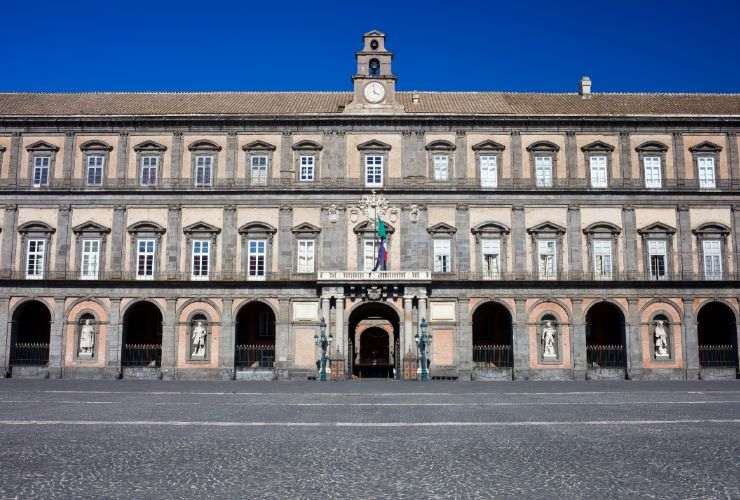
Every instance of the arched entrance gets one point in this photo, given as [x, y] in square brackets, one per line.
[255, 337]
[142, 336]
[30, 335]
[717, 334]
[605, 342]
[374, 341]
[492, 337]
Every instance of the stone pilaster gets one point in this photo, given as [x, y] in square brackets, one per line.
[169, 340]
[68, 160]
[516, 158]
[461, 154]
[575, 241]
[232, 143]
[464, 340]
[7, 257]
[633, 345]
[571, 158]
[227, 341]
[679, 164]
[578, 340]
[333, 238]
[56, 340]
[14, 164]
[684, 242]
[118, 240]
[122, 159]
[733, 157]
[177, 150]
[735, 237]
[284, 341]
[174, 239]
[629, 232]
[287, 172]
[462, 238]
[690, 340]
[114, 340]
[229, 241]
[414, 238]
[63, 239]
[285, 240]
[520, 341]
[518, 242]
[334, 157]
[5, 327]
[339, 335]
[625, 158]
[412, 153]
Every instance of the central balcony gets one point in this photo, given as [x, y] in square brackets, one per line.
[376, 276]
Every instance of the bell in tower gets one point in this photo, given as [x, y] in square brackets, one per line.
[374, 82]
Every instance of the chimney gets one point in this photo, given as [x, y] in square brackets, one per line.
[415, 98]
[585, 87]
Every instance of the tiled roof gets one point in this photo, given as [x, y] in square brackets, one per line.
[295, 103]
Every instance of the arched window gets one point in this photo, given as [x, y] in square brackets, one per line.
[374, 67]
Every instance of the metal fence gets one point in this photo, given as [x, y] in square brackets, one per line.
[254, 356]
[717, 356]
[493, 356]
[30, 353]
[606, 356]
[145, 355]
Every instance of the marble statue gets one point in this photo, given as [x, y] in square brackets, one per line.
[661, 339]
[198, 340]
[87, 339]
[548, 340]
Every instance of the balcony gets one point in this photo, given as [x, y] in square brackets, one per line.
[376, 276]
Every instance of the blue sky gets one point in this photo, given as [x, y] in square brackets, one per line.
[625, 46]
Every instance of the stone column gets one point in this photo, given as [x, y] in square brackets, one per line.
[578, 341]
[462, 239]
[68, 160]
[571, 158]
[625, 158]
[174, 239]
[679, 165]
[122, 159]
[227, 341]
[284, 342]
[229, 242]
[285, 240]
[684, 242]
[169, 340]
[118, 241]
[520, 341]
[63, 237]
[575, 243]
[690, 340]
[114, 340]
[736, 238]
[230, 165]
[176, 173]
[287, 172]
[518, 243]
[56, 340]
[633, 344]
[7, 257]
[516, 158]
[464, 340]
[339, 336]
[629, 232]
[408, 325]
[733, 157]
[14, 164]
[461, 155]
[5, 327]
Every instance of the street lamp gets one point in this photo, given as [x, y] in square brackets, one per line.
[323, 341]
[423, 339]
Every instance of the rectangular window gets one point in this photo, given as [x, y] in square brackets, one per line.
[712, 259]
[258, 170]
[306, 255]
[35, 256]
[547, 259]
[658, 257]
[488, 171]
[149, 166]
[598, 171]
[145, 259]
[41, 171]
[706, 172]
[651, 165]
[491, 258]
[201, 259]
[602, 251]
[90, 259]
[203, 170]
[256, 256]
[543, 170]
[308, 166]
[442, 256]
[95, 170]
[373, 170]
[368, 254]
[441, 167]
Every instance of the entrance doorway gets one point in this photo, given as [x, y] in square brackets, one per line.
[30, 335]
[142, 336]
[373, 347]
[255, 337]
[717, 334]
[492, 337]
[605, 345]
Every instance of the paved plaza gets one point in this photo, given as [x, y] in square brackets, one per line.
[147, 439]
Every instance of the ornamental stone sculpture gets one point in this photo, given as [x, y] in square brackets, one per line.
[87, 340]
[549, 334]
[661, 339]
[198, 340]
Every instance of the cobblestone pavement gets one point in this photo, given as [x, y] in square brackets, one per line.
[146, 439]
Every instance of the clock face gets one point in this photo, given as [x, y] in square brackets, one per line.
[374, 92]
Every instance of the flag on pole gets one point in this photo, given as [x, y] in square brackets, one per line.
[381, 262]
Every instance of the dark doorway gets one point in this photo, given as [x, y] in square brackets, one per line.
[30, 334]
[142, 336]
[255, 336]
[717, 334]
[492, 336]
[374, 353]
[605, 345]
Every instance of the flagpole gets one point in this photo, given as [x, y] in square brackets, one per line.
[376, 248]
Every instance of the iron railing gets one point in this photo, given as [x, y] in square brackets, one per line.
[493, 356]
[254, 356]
[142, 355]
[29, 354]
[606, 356]
[718, 356]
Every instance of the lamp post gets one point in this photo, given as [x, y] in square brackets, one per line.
[423, 339]
[323, 341]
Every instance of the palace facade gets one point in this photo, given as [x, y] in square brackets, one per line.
[209, 235]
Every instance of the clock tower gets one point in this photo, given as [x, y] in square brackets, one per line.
[374, 82]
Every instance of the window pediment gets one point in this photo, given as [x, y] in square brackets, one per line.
[651, 147]
[712, 229]
[706, 147]
[201, 228]
[36, 227]
[369, 227]
[307, 146]
[440, 145]
[546, 228]
[490, 228]
[257, 229]
[150, 146]
[597, 147]
[441, 228]
[204, 145]
[605, 228]
[95, 145]
[488, 145]
[657, 228]
[305, 229]
[90, 227]
[42, 146]
[543, 147]
[258, 146]
[373, 145]
[145, 227]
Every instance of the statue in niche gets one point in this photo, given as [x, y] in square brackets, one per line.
[660, 336]
[198, 340]
[549, 334]
[87, 339]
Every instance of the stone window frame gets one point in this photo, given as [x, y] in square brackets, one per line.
[603, 231]
[201, 231]
[258, 148]
[255, 230]
[77, 333]
[146, 230]
[651, 340]
[547, 231]
[90, 230]
[657, 231]
[374, 147]
[203, 148]
[35, 230]
[598, 148]
[41, 149]
[653, 148]
[492, 230]
[558, 359]
[706, 149]
[209, 332]
[150, 148]
[362, 232]
[441, 147]
[307, 148]
[488, 148]
[712, 231]
[543, 148]
[306, 231]
[443, 231]
[95, 147]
